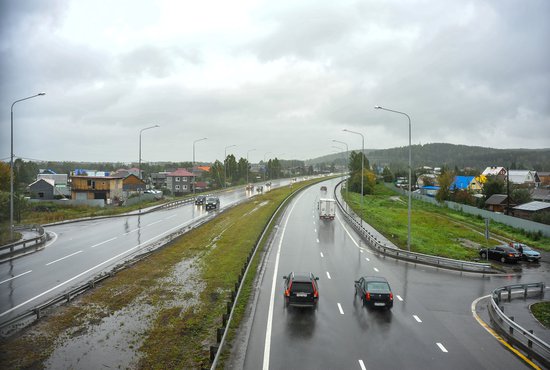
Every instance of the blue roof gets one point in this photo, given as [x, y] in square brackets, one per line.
[462, 182]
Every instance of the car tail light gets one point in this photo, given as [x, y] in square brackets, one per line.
[315, 292]
[367, 296]
[391, 296]
[511, 254]
[287, 292]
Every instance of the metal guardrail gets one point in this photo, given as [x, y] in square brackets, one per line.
[391, 251]
[525, 339]
[22, 247]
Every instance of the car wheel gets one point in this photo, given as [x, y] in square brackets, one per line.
[483, 255]
[502, 259]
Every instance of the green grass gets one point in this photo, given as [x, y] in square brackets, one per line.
[434, 230]
[541, 311]
[180, 334]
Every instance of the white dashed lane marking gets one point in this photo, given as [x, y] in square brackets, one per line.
[15, 277]
[328, 275]
[367, 259]
[106, 241]
[62, 258]
[442, 348]
[399, 297]
[362, 365]
[417, 318]
[322, 255]
[340, 309]
[375, 269]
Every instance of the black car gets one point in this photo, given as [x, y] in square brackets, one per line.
[200, 200]
[502, 253]
[301, 290]
[212, 203]
[374, 291]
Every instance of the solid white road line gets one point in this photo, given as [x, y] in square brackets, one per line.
[267, 346]
[62, 258]
[399, 297]
[328, 275]
[442, 348]
[106, 241]
[417, 318]
[16, 276]
[340, 308]
[156, 222]
[362, 365]
[93, 268]
[375, 269]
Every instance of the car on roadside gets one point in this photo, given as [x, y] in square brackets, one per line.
[323, 188]
[527, 253]
[301, 290]
[375, 291]
[212, 203]
[502, 253]
[200, 200]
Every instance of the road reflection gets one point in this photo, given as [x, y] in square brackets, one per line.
[369, 318]
[300, 322]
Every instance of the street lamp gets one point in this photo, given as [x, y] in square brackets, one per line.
[140, 131]
[410, 166]
[196, 141]
[265, 169]
[362, 167]
[225, 164]
[247, 170]
[11, 161]
[347, 150]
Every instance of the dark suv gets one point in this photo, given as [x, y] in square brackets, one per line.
[374, 291]
[200, 200]
[212, 203]
[301, 290]
[502, 253]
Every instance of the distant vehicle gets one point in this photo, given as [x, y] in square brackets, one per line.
[323, 188]
[200, 200]
[301, 290]
[260, 189]
[527, 253]
[249, 187]
[212, 203]
[268, 184]
[327, 209]
[374, 291]
[502, 253]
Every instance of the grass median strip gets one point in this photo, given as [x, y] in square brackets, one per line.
[162, 312]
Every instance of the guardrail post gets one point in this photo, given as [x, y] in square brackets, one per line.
[525, 292]
[511, 329]
[225, 317]
[219, 334]
[529, 341]
[37, 311]
[509, 290]
[213, 351]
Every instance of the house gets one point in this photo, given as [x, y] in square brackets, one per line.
[531, 209]
[158, 180]
[524, 177]
[540, 194]
[495, 171]
[469, 183]
[544, 178]
[108, 188]
[498, 203]
[427, 179]
[180, 181]
[201, 185]
[43, 189]
[132, 183]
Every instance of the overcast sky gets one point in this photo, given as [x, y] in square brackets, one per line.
[281, 77]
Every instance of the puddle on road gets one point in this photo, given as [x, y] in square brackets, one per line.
[114, 341]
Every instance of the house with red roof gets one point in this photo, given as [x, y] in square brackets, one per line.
[180, 181]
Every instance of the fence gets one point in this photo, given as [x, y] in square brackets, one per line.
[516, 222]
[522, 338]
[391, 251]
[25, 246]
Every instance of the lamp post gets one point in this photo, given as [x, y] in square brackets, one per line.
[362, 167]
[196, 141]
[247, 169]
[140, 131]
[265, 163]
[410, 170]
[11, 160]
[225, 164]
[347, 159]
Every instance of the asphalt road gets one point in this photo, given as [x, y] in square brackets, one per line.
[431, 325]
[82, 250]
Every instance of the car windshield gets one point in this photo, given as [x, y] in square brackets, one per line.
[212, 199]
[299, 286]
[378, 286]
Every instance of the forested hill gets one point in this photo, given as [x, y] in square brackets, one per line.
[462, 156]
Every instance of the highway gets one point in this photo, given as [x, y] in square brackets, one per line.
[85, 249]
[431, 325]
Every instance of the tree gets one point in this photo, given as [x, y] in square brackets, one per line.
[355, 162]
[387, 175]
[521, 196]
[493, 185]
[242, 169]
[216, 173]
[4, 176]
[230, 167]
[445, 180]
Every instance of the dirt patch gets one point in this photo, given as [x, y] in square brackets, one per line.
[469, 244]
[397, 199]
